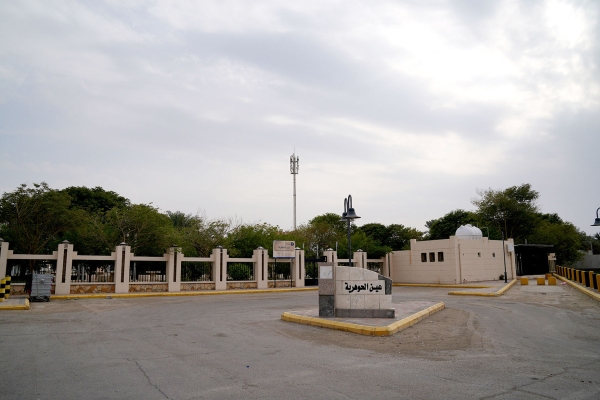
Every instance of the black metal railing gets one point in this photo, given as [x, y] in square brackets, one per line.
[279, 271]
[240, 271]
[196, 271]
[20, 269]
[147, 271]
[93, 271]
[374, 266]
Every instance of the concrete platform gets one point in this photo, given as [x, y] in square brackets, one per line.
[408, 313]
[15, 303]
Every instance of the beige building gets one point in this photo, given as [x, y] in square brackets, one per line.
[465, 257]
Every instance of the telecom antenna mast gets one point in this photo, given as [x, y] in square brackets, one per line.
[294, 166]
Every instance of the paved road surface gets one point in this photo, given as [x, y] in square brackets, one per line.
[533, 343]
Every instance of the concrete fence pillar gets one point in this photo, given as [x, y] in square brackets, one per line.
[174, 257]
[261, 270]
[3, 258]
[64, 266]
[220, 268]
[331, 256]
[122, 263]
[298, 268]
[359, 259]
[386, 269]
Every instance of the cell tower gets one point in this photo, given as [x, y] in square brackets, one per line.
[294, 166]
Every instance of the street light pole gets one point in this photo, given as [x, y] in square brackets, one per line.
[347, 216]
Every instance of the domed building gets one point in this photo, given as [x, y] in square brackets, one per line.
[467, 256]
[468, 232]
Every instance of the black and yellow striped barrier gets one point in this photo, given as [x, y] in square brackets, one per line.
[2, 283]
[7, 287]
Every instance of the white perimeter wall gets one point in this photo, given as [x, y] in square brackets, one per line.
[465, 260]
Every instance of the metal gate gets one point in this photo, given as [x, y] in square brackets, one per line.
[311, 267]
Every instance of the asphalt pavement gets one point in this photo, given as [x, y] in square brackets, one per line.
[535, 342]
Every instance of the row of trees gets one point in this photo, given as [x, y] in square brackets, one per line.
[36, 218]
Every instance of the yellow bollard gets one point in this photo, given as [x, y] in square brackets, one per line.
[598, 281]
[2, 283]
[552, 281]
[524, 281]
[7, 288]
[591, 279]
[541, 281]
[582, 276]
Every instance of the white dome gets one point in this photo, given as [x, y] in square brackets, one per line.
[468, 232]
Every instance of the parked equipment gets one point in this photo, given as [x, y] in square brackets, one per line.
[41, 284]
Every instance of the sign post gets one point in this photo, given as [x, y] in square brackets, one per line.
[283, 249]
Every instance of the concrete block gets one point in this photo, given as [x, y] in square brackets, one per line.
[552, 281]
[524, 281]
[584, 281]
[326, 306]
[343, 301]
[385, 302]
[326, 287]
[356, 274]
[388, 283]
[372, 302]
[339, 286]
[342, 313]
[357, 301]
[598, 281]
[342, 273]
[541, 281]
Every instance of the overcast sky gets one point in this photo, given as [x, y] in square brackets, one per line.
[410, 106]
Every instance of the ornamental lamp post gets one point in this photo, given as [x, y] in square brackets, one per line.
[347, 216]
[597, 222]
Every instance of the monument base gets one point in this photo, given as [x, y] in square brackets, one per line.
[364, 313]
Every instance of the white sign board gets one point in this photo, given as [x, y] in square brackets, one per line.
[284, 249]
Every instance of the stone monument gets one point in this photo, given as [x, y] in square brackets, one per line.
[350, 292]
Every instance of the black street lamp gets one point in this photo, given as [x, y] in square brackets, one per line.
[347, 216]
[597, 222]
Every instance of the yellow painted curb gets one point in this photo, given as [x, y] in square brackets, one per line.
[17, 307]
[173, 294]
[440, 285]
[364, 329]
[595, 296]
[500, 292]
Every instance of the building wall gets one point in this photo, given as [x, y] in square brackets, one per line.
[588, 262]
[464, 260]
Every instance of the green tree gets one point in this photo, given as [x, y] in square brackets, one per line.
[564, 236]
[392, 237]
[245, 238]
[399, 236]
[181, 219]
[141, 226]
[34, 219]
[94, 200]
[201, 235]
[446, 226]
[512, 210]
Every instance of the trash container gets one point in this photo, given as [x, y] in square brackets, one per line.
[41, 284]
